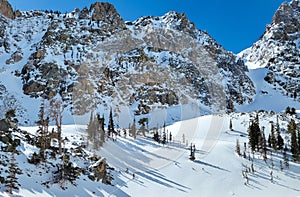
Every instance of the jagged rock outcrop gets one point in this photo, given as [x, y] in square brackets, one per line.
[278, 50]
[107, 13]
[6, 9]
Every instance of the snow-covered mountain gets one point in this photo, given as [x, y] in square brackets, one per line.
[94, 60]
[278, 50]
[160, 68]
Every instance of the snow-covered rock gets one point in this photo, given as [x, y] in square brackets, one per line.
[94, 60]
[278, 50]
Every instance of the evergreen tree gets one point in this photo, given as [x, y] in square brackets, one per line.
[133, 129]
[237, 147]
[65, 172]
[11, 181]
[193, 150]
[294, 145]
[230, 105]
[294, 142]
[293, 111]
[43, 133]
[256, 120]
[245, 150]
[264, 146]
[285, 158]
[273, 138]
[56, 113]
[280, 141]
[291, 126]
[288, 110]
[230, 125]
[110, 128]
[254, 132]
[101, 127]
[164, 138]
[269, 141]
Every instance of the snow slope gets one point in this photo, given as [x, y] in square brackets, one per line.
[268, 97]
[219, 168]
[158, 169]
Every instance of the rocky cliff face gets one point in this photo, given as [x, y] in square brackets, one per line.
[278, 49]
[6, 9]
[93, 60]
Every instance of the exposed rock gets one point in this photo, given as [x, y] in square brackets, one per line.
[107, 13]
[33, 87]
[6, 9]
[287, 14]
[15, 58]
[278, 49]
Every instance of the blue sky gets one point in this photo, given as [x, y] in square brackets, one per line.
[235, 24]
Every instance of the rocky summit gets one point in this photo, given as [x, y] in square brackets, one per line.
[278, 50]
[6, 9]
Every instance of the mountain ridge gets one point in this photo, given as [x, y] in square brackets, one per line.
[53, 52]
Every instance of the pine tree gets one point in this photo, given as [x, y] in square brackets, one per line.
[237, 147]
[133, 129]
[294, 145]
[285, 158]
[230, 125]
[294, 142]
[101, 127]
[230, 105]
[273, 138]
[269, 141]
[288, 110]
[110, 128]
[164, 138]
[11, 181]
[264, 146]
[43, 122]
[192, 153]
[56, 113]
[245, 150]
[254, 132]
[293, 111]
[291, 126]
[65, 172]
[280, 141]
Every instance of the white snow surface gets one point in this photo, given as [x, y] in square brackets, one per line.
[158, 169]
[267, 97]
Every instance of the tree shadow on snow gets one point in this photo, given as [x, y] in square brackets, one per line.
[160, 179]
[210, 165]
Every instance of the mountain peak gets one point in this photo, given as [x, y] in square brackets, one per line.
[6, 9]
[105, 12]
[288, 14]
